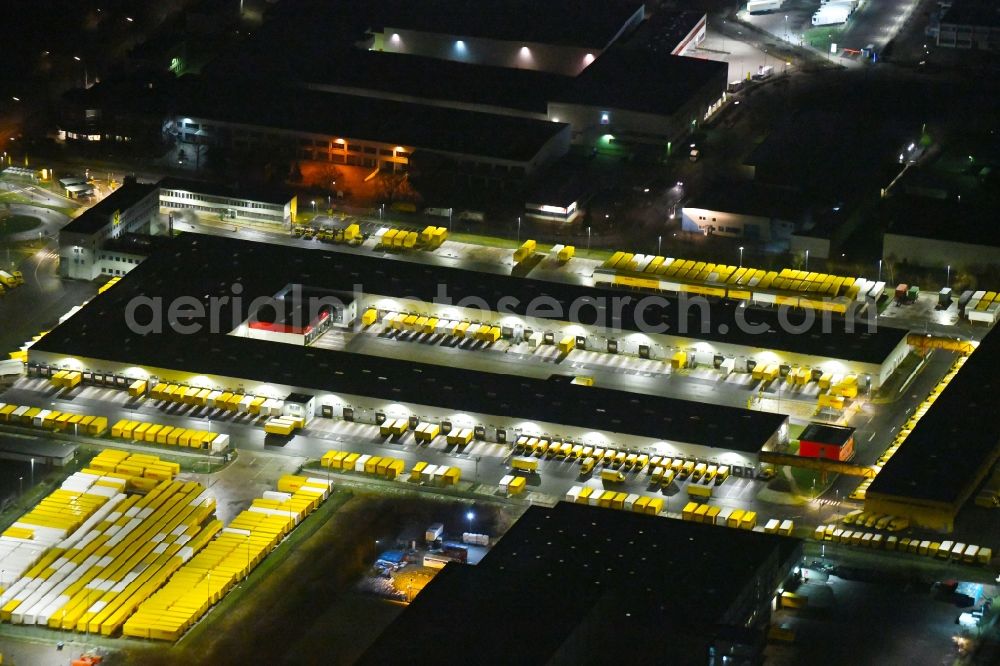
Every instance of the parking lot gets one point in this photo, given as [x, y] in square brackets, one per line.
[874, 22]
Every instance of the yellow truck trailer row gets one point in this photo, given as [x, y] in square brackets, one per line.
[615, 500]
[429, 325]
[391, 238]
[663, 468]
[944, 550]
[350, 234]
[36, 417]
[229, 557]
[154, 433]
[726, 517]
[344, 461]
[792, 287]
[202, 397]
[438, 475]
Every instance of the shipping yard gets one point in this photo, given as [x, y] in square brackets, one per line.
[343, 339]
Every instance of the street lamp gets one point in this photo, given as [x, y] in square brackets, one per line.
[741, 256]
[807, 260]
[947, 280]
[659, 245]
[588, 239]
[314, 205]
[879, 271]
[86, 79]
[469, 516]
[518, 228]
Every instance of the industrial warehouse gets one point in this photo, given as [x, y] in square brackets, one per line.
[947, 454]
[629, 575]
[97, 342]
[708, 332]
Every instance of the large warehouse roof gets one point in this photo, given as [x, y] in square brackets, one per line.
[605, 586]
[718, 321]
[642, 81]
[583, 23]
[205, 266]
[955, 442]
[366, 118]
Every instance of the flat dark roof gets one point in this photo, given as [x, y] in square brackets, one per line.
[752, 198]
[433, 78]
[973, 220]
[205, 266]
[579, 579]
[973, 12]
[583, 23]
[827, 434]
[956, 439]
[98, 216]
[39, 448]
[423, 126]
[271, 196]
[643, 81]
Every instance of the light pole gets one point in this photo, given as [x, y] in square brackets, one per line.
[807, 260]
[86, 79]
[518, 228]
[588, 239]
[32, 473]
[741, 256]
[879, 271]
[659, 245]
[947, 279]
[469, 516]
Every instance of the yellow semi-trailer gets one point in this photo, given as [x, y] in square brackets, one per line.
[612, 476]
[529, 465]
[698, 490]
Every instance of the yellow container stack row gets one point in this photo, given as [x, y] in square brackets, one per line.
[210, 573]
[344, 461]
[611, 499]
[154, 433]
[788, 287]
[439, 475]
[944, 550]
[98, 576]
[432, 237]
[735, 518]
[428, 325]
[202, 397]
[36, 417]
[861, 491]
[67, 379]
[141, 471]
[391, 238]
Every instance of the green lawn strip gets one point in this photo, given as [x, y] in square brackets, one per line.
[306, 529]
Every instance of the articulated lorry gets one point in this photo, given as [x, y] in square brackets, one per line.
[763, 6]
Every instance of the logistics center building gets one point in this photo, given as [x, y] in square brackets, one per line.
[98, 341]
[604, 586]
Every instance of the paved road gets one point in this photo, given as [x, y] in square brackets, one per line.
[38, 304]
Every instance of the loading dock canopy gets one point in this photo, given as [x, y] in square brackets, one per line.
[205, 265]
